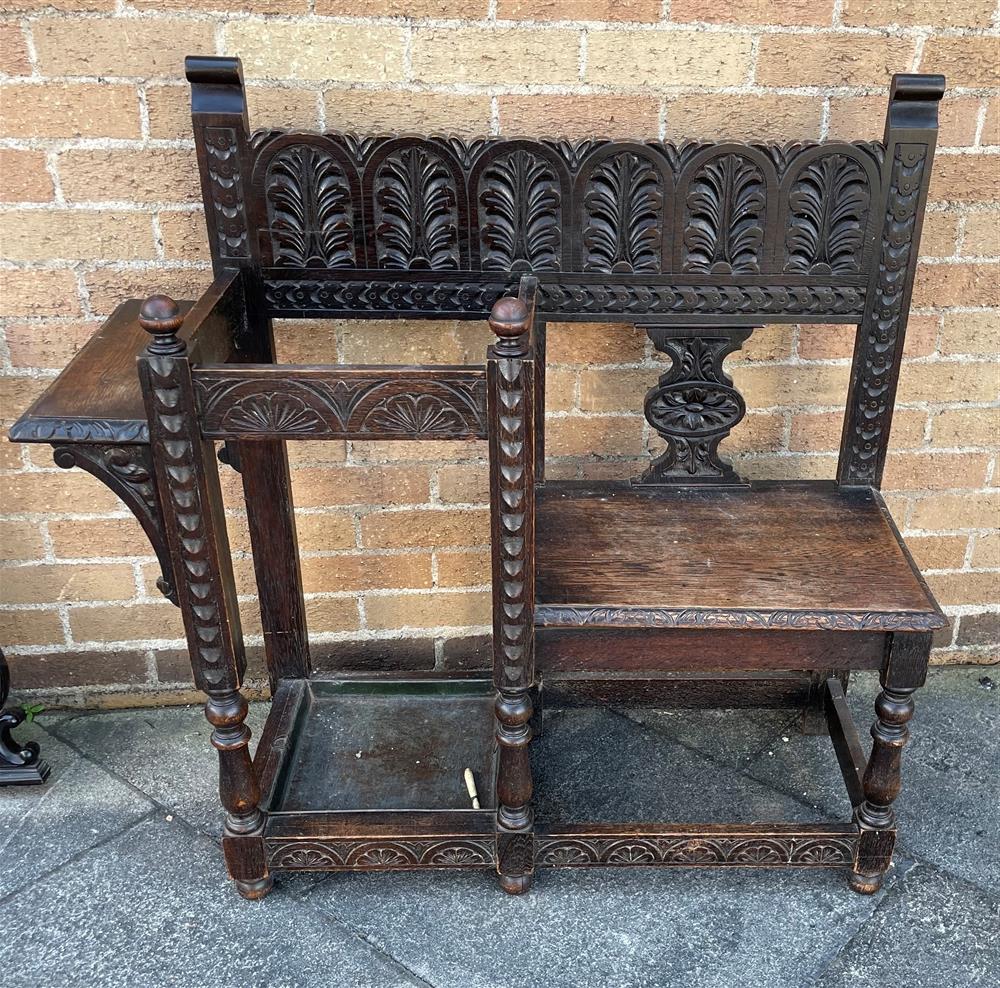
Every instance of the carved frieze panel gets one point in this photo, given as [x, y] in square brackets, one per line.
[768, 222]
[325, 403]
[415, 197]
[520, 198]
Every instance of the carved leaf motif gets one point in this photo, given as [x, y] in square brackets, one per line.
[309, 209]
[272, 413]
[420, 415]
[623, 216]
[520, 216]
[828, 205]
[724, 227]
[416, 213]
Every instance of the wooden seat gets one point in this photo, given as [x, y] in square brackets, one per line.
[798, 556]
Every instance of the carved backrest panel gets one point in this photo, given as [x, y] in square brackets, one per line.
[390, 225]
[696, 243]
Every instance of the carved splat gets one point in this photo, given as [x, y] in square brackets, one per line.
[416, 211]
[310, 209]
[694, 405]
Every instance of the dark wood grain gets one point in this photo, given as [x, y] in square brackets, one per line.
[322, 402]
[806, 555]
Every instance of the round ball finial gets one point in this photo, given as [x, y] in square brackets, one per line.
[509, 318]
[160, 315]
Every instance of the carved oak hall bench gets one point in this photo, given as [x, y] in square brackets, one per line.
[685, 586]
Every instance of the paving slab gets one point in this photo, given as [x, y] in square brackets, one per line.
[949, 809]
[730, 737]
[607, 927]
[165, 752]
[933, 930]
[601, 765]
[80, 805]
[154, 907]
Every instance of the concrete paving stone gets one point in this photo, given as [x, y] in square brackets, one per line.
[599, 765]
[165, 752]
[948, 811]
[607, 927]
[154, 907]
[731, 737]
[80, 805]
[933, 930]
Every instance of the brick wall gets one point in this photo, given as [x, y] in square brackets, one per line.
[100, 202]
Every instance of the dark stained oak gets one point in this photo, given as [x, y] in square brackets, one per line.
[688, 587]
[805, 556]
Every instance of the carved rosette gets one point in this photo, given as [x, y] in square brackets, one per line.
[880, 336]
[416, 212]
[310, 209]
[694, 406]
[226, 191]
[520, 214]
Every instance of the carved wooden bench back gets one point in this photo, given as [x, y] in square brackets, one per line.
[700, 235]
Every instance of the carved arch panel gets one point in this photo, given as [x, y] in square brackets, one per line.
[416, 207]
[520, 193]
[623, 197]
[727, 200]
[829, 213]
[308, 195]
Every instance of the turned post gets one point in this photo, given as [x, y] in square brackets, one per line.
[511, 379]
[903, 671]
[194, 519]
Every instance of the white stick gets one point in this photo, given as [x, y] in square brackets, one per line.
[470, 785]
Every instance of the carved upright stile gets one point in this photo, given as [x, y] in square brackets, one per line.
[510, 377]
[196, 529]
[910, 138]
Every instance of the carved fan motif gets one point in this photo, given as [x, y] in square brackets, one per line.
[724, 228]
[829, 210]
[272, 413]
[520, 215]
[622, 216]
[415, 415]
[416, 212]
[309, 209]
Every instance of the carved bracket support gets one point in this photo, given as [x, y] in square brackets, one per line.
[694, 405]
[128, 472]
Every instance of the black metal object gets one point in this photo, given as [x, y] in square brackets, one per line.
[20, 765]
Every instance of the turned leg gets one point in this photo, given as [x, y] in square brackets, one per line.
[905, 669]
[242, 840]
[515, 842]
